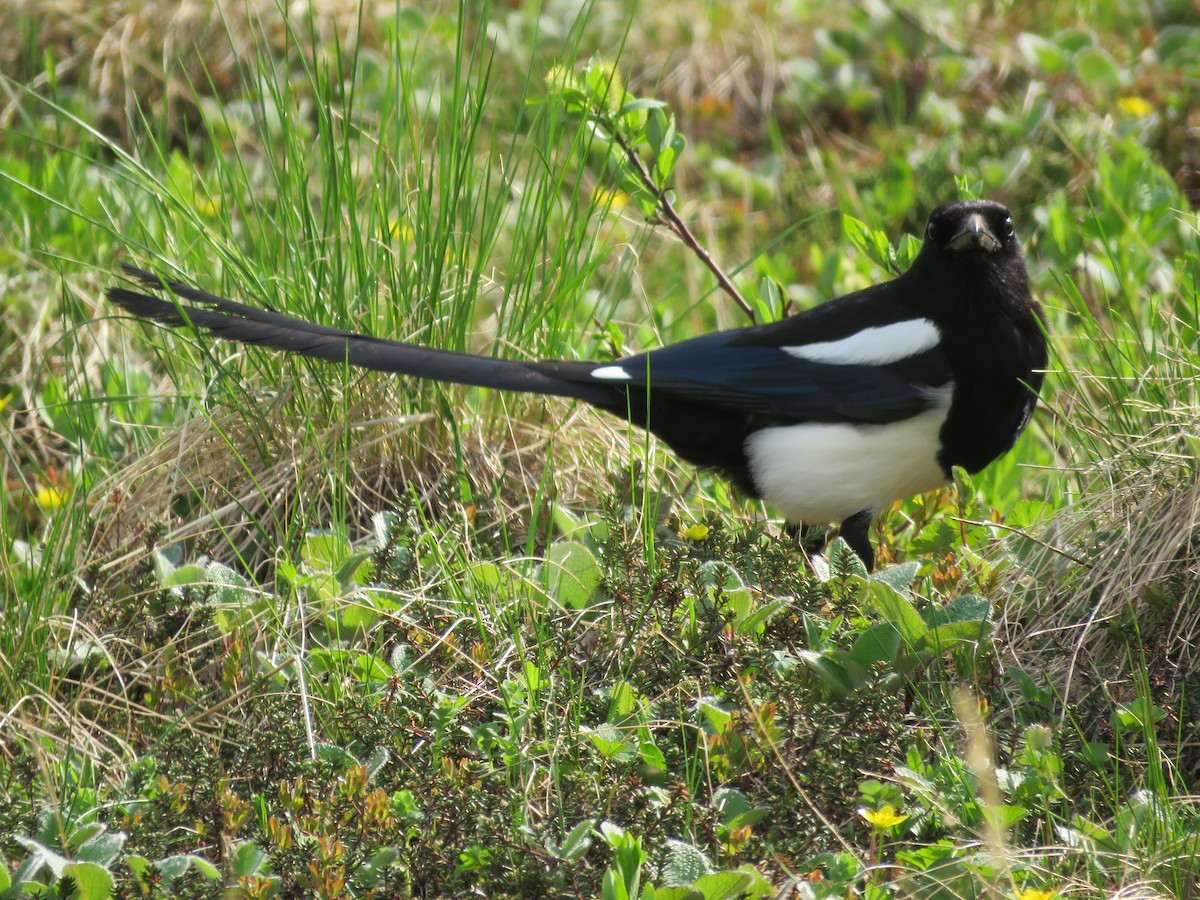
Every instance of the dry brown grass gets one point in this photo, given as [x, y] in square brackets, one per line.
[1133, 582]
[250, 474]
[163, 55]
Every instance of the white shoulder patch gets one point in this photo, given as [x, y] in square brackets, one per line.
[876, 346]
[610, 373]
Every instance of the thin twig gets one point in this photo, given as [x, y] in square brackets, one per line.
[676, 224]
[1025, 534]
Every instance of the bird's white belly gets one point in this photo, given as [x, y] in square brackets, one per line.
[820, 473]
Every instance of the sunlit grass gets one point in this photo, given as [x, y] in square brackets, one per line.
[283, 626]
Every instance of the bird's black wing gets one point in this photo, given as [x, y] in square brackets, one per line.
[719, 372]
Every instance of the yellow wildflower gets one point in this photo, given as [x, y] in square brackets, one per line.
[884, 817]
[50, 498]
[1135, 106]
[401, 230]
[695, 532]
[1037, 894]
[613, 199]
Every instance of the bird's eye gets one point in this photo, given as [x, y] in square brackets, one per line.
[931, 231]
[1007, 228]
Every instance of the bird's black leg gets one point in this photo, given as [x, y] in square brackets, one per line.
[856, 532]
[808, 538]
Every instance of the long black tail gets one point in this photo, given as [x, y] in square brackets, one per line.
[234, 321]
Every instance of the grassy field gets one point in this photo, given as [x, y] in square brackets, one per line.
[276, 628]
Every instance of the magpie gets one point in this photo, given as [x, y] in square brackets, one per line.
[829, 415]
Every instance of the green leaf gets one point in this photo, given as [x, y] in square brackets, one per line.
[485, 578]
[664, 164]
[1176, 38]
[1027, 513]
[753, 623]
[174, 867]
[358, 616]
[640, 103]
[656, 127]
[633, 124]
[722, 885]
[1096, 68]
[646, 202]
[878, 643]
[967, 608]
[578, 841]
[612, 887]
[964, 483]
[534, 679]
[1096, 754]
[572, 574]
[381, 757]
[680, 892]
[354, 569]
[289, 573]
[323, 588]
[735, 808]
[102, 849]
[717, 717]
[749, 817]
[612, 743]
[758, 887]
[83, 833]
[139, 866]
[570, 525]
[1004, 816]
[604, 87]
[684, 864]
[738, 600]
[652, 758]
[898, 576]
[1074, 39]
[943, 637]
[844, 562]
[40, 856]
[897, 609]
[369, 873]
[92, 880]
[668, 137]
[185, 575]
[625, 700]
[855, 671]
[874, 244]
[1140, 715]
[768, 302]
[250, 859]
[830, 673]
[1042, 54]
[324, 550]
[369, 668]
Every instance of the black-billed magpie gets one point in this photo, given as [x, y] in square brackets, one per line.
[828, 415]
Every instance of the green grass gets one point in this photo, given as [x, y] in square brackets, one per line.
[281, 628]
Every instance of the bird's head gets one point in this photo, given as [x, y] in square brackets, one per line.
[971, 228]
[971, 261]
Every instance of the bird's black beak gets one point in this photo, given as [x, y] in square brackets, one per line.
[974, 234]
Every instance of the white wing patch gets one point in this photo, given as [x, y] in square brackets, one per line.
[876, 346]
[610, 373]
